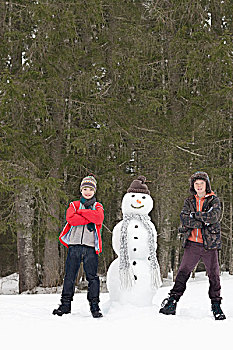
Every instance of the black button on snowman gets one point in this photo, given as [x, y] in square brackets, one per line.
[134, 277]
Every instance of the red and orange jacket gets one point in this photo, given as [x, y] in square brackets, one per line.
[205, 226]
[76, 216]
[196, 235]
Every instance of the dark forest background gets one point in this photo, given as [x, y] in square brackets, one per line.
[118, 88]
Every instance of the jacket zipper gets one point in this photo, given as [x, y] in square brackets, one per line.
[82, 235]
[197, 228]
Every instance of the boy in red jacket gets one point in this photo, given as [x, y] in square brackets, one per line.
[82, 237]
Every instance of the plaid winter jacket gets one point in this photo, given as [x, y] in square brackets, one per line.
[207, 220]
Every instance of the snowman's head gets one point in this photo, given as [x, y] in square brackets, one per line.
[137, 203]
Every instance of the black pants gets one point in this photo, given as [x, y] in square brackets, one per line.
[77, 254]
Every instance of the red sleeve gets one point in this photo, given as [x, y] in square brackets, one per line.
[96, 216]
[75, 219]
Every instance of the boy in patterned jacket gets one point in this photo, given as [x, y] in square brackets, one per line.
[81, 235]
[201, 240]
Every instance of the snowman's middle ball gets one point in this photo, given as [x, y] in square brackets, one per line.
[136, 203]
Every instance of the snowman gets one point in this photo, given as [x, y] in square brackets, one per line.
[134, 276]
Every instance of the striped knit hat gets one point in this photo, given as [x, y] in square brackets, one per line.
[88, 181]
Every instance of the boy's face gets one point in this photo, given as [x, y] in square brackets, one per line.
[87, 192]
[200, 187]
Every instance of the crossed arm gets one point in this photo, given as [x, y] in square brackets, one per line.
[192, 219]
[84, 216]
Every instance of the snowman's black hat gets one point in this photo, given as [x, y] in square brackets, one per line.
[139, 186]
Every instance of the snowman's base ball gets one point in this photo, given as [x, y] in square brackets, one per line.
[140, 294]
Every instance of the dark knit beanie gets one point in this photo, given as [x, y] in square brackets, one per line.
[88, 181]
[139, 186]
[200, 175]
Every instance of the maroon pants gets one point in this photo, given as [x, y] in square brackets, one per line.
[193, 252]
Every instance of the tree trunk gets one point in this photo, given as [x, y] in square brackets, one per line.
[51, 265]
[231, 197]
[2, 18]
[26, 261]
[177, 245]
[164, 247]
[51, 269]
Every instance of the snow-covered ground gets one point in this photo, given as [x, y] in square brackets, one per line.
[26, 321]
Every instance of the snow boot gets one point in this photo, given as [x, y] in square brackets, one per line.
[64, 308]
[217, 311]
[168, 306]
[95, 310]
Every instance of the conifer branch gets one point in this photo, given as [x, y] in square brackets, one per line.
[186, 150]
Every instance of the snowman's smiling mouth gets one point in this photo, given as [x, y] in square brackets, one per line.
[141, 206]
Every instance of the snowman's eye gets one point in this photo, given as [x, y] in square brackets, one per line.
[133, 195]
[143, 197]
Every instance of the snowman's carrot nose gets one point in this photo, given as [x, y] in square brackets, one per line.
[138, 201]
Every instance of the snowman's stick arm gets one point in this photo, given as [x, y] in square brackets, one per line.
[107, 229]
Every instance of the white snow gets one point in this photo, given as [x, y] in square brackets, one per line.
[26, 321]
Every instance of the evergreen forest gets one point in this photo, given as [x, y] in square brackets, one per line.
[116, 88]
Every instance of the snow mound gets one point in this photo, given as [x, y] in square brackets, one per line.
[9, 284]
